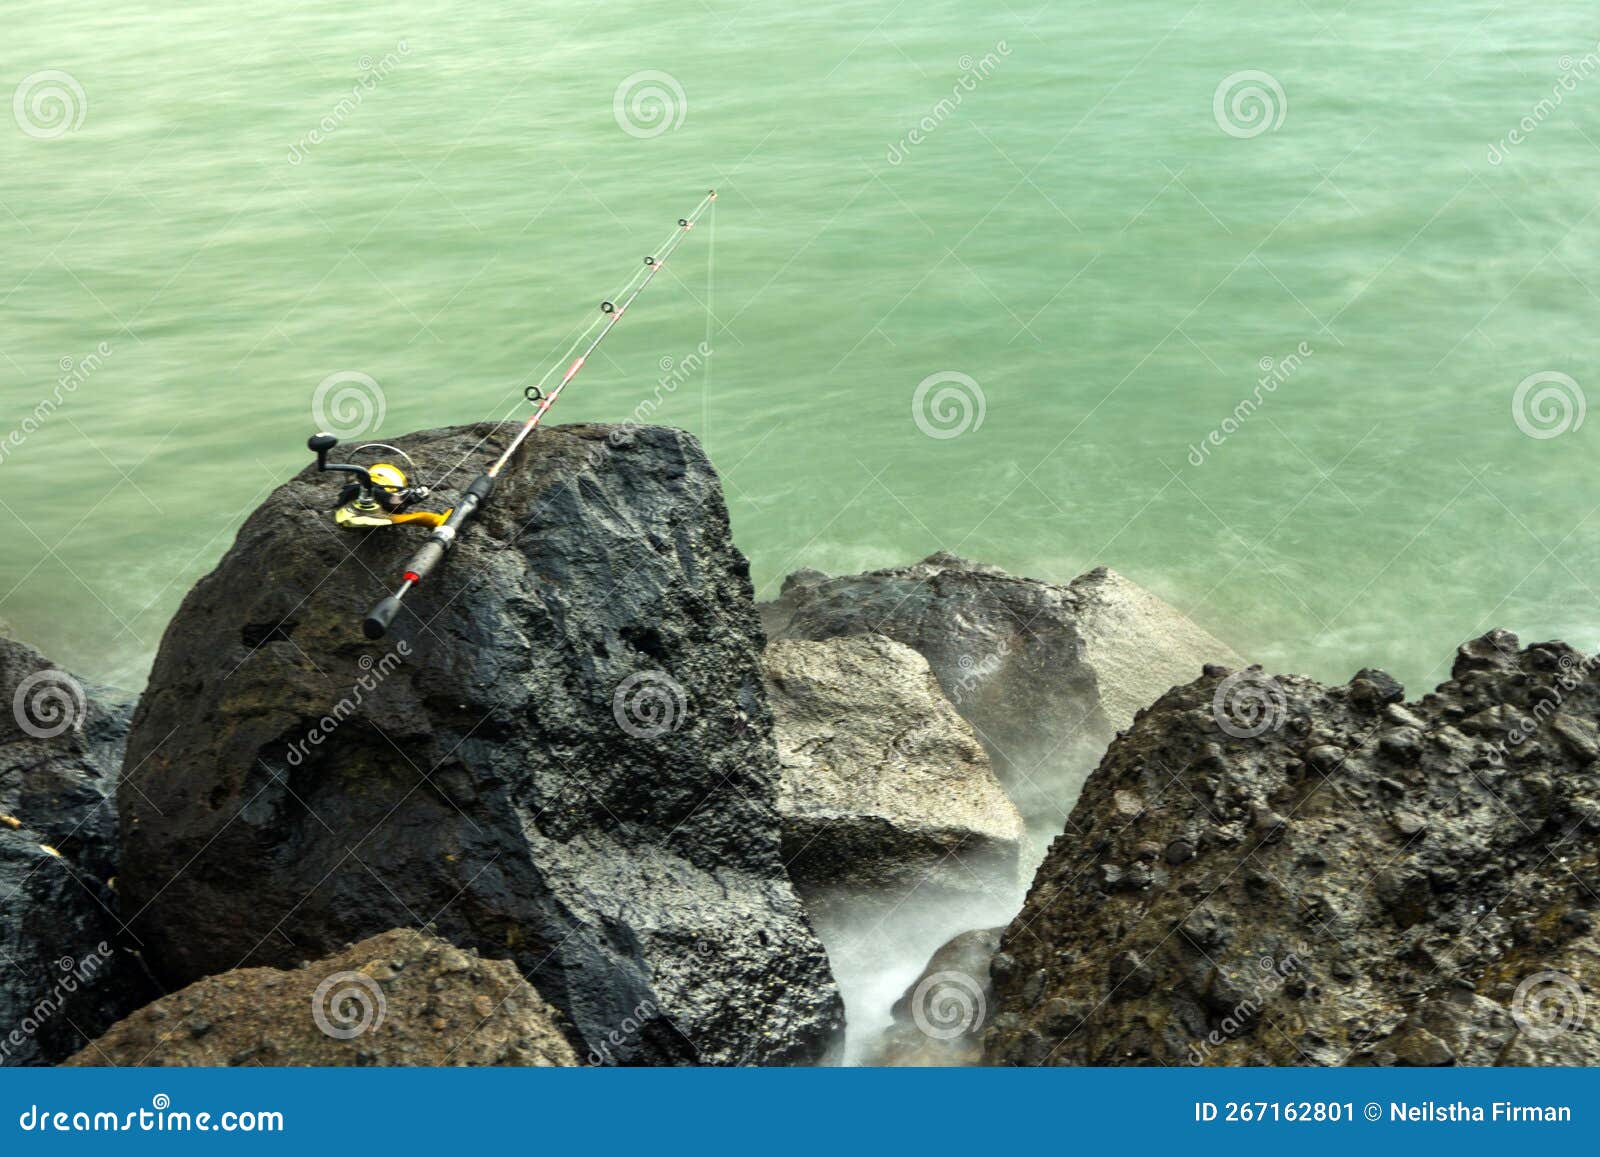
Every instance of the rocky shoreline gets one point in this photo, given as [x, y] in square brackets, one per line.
[590, 804]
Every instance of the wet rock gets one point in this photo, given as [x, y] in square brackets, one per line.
[1046, 674]
[562, 755]
[940, 1020]
[69, 971]
[66, 968]
[61, 746]
[885, 790]
[1433, 918]
[353, 1008]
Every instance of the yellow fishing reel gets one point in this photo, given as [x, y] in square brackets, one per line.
[377, 495]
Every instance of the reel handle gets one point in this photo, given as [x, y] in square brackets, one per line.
[320, 444]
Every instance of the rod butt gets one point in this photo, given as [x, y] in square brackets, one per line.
[376, 624]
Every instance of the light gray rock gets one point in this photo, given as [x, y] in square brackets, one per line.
[1045, 674]
[885, 790]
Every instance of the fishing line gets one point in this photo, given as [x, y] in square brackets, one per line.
[439, 543]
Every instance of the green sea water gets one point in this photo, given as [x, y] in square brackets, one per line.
[207, 212]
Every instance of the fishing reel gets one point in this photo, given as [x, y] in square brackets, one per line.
[378, 493]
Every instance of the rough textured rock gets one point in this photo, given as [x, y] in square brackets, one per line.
[401, 998]
[1271, 871]
[61, 744]
[886, 791]
[940, 1020]
[65, 970]
[562, 754]
[1046, 674]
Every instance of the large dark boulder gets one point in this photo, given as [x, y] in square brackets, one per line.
[1272, 871]
[1046, 674]
[561, 755]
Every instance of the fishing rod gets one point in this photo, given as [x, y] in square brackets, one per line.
[439, 543]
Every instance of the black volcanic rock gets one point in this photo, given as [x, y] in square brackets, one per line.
[67, 971]
[61, 745]
[1273, 871]
[562, 755]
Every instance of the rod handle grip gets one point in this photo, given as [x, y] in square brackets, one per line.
[378, 619]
